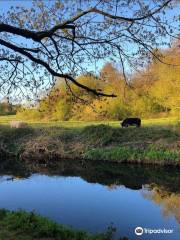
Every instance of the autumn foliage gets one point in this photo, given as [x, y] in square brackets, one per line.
[152, 92]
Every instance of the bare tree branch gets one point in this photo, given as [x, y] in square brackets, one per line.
[66, 48]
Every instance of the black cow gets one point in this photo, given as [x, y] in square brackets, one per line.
[131, 122]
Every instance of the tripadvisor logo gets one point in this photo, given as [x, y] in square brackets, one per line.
[139, 231]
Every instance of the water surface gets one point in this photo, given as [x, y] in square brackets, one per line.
[91, 197]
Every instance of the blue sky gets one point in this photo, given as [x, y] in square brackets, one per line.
[6, 4]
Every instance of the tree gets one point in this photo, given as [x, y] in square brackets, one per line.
[7, 108]
[154, 91]
[63, 38]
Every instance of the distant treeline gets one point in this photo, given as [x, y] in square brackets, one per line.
[153, 92]
[7, 108]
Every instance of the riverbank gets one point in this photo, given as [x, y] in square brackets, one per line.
[47, 143]
[21, 225]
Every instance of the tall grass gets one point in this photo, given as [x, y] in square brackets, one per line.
[152, 143]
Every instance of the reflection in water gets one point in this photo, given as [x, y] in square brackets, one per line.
[96, 195]
[112, 186]
[169, 201]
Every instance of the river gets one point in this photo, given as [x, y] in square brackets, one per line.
[94, 196]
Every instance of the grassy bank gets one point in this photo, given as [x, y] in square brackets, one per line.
[157, 142]
[21, 225]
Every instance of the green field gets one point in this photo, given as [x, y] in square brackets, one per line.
[156, 142]
[145, 122]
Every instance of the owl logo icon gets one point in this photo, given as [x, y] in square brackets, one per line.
[138, 231]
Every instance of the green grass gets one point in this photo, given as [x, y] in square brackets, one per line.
[134, 155]
[74, 124]
[21, 225]
[156, 142]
